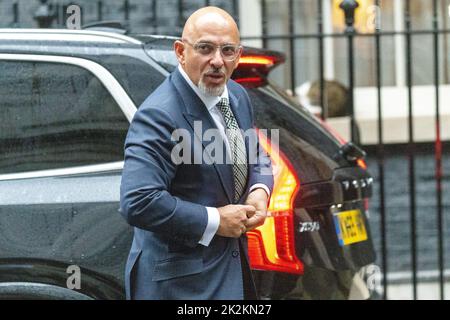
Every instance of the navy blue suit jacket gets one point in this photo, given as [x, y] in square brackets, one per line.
[166, 202]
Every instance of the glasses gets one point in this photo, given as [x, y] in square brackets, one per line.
[229, 52]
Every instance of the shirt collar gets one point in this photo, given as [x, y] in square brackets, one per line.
[209, 101]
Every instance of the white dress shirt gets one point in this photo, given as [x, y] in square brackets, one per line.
[210, 103]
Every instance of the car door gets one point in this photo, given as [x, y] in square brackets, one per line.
[62, 130]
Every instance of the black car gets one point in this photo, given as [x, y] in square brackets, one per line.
[66, 100]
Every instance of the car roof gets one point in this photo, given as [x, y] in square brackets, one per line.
[93, 38]
[87, 37]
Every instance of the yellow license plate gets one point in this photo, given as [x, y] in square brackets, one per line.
[350, 227]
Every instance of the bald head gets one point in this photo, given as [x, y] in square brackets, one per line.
[211, 19]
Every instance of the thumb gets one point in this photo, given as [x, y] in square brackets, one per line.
[249, 210]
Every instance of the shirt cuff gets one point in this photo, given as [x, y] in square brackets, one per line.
[262, 186]
[211, 227]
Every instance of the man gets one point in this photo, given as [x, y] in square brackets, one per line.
[190, 218]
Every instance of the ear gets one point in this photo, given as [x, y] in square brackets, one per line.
[178, 47]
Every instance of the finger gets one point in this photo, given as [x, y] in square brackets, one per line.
[241, 231]
[255, 222]
[248, 207]
[251, 227]
[249, 210]
[250, 214]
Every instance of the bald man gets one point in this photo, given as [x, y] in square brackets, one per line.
[190, 214]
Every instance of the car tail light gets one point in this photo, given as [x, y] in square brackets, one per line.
[362, 164]
[272, 246]
[262, 61]
[254, 67]
[366, 204]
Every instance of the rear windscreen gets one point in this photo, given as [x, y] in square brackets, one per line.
[312, 150]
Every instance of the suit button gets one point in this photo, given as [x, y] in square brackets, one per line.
[235, 253]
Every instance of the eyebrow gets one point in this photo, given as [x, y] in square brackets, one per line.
[211, 42]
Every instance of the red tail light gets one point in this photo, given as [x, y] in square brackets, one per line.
[272, 246]
[261, 61]
[366, 204]
[251, 82]
[254, 67]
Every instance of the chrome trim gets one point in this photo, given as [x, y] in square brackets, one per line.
[95, 168]
[113, 37]
[106, 78]
[161, 37]
[346, 184]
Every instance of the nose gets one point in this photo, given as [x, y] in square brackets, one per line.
[217, 59]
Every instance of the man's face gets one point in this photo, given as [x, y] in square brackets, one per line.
[207, 68]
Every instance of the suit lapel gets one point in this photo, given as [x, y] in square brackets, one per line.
[196, 111]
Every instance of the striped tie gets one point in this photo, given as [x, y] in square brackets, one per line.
[237, 148]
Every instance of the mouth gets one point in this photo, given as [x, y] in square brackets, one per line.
[216, 78]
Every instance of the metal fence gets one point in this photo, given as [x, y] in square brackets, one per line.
[153, 21]
[151, 16]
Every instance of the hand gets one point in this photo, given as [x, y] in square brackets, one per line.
[233, 219]
[257, 198]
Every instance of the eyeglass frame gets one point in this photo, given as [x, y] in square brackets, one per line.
[237, 46]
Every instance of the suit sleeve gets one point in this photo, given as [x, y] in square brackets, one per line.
[145, 199]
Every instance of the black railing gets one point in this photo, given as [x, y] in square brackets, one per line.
[380, 157]
[15, 10]
[52, 13]
[411, 149]
[324, 111]
[438, 155]
[349, 7]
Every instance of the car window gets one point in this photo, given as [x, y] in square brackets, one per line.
[138, 78]
[165, 56]
[55, 115]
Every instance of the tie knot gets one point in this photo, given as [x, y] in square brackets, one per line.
[223, 105]
[223, 102]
